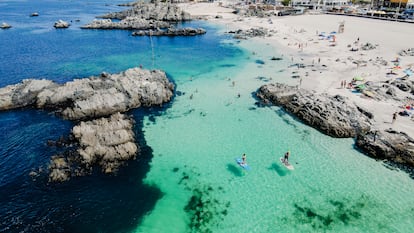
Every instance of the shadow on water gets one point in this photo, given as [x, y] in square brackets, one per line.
[235, 170]
[280, 170]
[95, 203]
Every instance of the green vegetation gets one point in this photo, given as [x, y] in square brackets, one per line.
[285, 2]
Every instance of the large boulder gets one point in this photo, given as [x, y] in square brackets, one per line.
[61, 24]
[389, 144]
[106, 141]
[335, 115]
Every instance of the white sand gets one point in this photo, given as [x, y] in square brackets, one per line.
[290, 31]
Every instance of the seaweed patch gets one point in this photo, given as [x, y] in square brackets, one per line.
[334, 213]
[204, 210]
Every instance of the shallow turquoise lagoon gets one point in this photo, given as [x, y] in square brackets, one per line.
[195, 142]
[186, 179]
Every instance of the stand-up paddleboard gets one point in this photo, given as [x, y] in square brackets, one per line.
[240, 163]
[286, 164]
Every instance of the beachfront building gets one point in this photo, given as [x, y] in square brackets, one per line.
[410, 5]
[321, 4]
[395, 3]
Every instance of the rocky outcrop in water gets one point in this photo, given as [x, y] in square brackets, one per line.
[129, 23]
[171, 32]
[142, 16]
[160, 11]
[61, 24]
[91, 97]
[103, 137]
[389, 144]
[333, 115]
[337, 117]
[104, 142]
[5, 26]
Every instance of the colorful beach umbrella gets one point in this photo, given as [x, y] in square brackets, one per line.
[361, 86]
[358, 78]
[408, 72]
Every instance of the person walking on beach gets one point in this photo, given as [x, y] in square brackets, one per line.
[394, 117]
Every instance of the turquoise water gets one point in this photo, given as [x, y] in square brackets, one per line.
[332, 189]
[186, 179]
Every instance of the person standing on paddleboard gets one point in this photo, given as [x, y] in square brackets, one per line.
[286, 159]
[243, 159]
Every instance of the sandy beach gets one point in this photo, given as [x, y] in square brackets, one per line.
[326, 62]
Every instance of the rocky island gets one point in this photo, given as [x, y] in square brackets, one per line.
[154, 18]
[103, 136]
[61, 24]
[142, 16]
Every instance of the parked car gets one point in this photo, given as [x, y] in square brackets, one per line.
[407, 14]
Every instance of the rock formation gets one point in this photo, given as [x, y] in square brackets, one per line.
[337, 117]
[171, 32]
[142, 16]
[5, 26]
[106, 142]
[388, 144]
[104, 137]
[252, 32]
[160, 11]
[92, 97]
[129, 23]
[332, 115]
[61, 24]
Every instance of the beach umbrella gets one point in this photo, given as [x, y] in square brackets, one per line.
[358, 78]
[408, 72]
[361, 86]
[368, 93]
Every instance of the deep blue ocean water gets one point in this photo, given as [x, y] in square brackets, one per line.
[32, 48]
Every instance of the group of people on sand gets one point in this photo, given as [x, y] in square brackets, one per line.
[285, 158]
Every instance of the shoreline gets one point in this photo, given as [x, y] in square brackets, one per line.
[321, 65]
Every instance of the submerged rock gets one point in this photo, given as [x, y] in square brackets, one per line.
[59, 169]
[333, 115]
